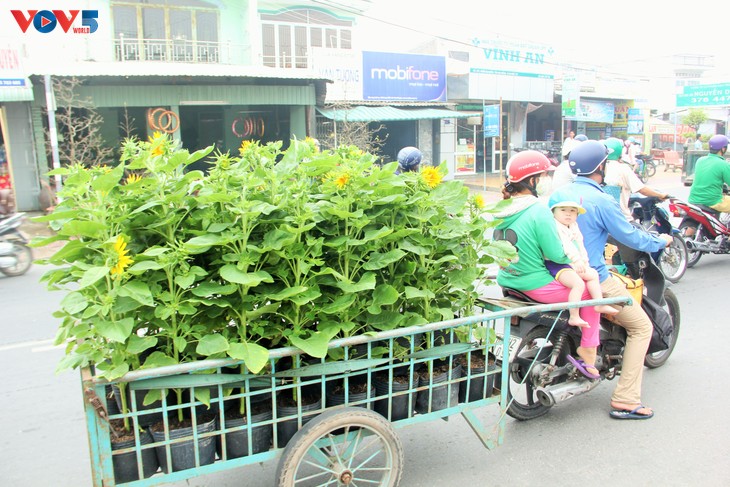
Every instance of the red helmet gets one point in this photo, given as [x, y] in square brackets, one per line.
[525, 164]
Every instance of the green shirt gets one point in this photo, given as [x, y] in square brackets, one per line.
[710, 172]
[533, 232]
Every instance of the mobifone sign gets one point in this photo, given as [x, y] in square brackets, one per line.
[392, 76]
[46, 21]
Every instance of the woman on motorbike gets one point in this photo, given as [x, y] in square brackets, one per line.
[529, 226]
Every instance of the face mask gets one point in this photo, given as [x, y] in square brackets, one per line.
[543, 187]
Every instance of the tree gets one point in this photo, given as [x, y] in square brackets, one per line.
[78, 125]
[694, 118]
[363, 135]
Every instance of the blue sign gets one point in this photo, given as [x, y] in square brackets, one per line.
[410, 77]
[491, 121]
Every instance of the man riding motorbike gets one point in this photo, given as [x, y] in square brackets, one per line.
[711, 172]
[603, 217]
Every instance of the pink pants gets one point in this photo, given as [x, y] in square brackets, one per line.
[557, 293]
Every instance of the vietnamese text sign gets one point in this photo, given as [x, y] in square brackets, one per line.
[571, 95]
[392, 76]
[511, 70]
[491, 121]
[698, 99]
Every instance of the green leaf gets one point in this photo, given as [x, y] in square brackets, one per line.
[212, 344]
[107, 181]
[315, 345]
[76, 228]
[116, 331]
[306, 297]
[137, 344]
[207, 289]
[287, 292]
[231, 273]
[276, 239]
[185, 281]
[383, 295]
[56, 215]
[254, 356]
[413, 293]
[144, 266]
[158, 359]
[74, 302]
[205, 241]
[378, 260]
[155, 251]
[139, 291]
[339, 305]
[367, 282]
[92, 275]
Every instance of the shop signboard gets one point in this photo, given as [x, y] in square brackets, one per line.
[512, 70]
[635, 125]
[705, 96]
[595, 111]
[343, 68]
[571, 95]
[403, 77]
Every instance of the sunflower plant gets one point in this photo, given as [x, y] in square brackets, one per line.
[267, 248]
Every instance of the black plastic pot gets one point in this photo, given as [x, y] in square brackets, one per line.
[144, 419]
[338, 398]
[286, 428]
[476, 388]
[182, 454]
[439, 397]
[125, 464]
[399, 406]
[237, 441]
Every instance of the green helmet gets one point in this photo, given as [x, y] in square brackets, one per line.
[616, 146]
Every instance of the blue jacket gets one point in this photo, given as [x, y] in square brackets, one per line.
[603, 216]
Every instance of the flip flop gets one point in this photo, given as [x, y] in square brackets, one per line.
[581, 366]
[633, 414]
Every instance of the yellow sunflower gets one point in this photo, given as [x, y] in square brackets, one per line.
[244, 146]
[155, 136]
[431, 176]
[123, 260]
[479, 201]
[342, 181]
[133, 178]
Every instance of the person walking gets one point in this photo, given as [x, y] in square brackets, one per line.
[603, 217]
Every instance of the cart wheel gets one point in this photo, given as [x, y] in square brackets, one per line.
[340, 447]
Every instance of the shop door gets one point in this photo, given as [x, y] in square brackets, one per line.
[500, 147]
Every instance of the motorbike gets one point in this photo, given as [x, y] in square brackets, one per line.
[15, 255]
[540, 376]
[645, 167]
[653, 218]
[706, 231]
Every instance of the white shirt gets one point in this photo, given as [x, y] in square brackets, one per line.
[620, 174]
[572, 241]
[568, 145]
[562, 176]
[698, 144]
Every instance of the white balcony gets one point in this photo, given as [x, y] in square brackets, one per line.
[179, 51]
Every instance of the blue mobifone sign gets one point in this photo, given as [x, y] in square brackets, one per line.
[491, 121]
[410, 77]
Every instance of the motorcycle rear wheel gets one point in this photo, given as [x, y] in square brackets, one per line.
[522, 398]
[693, 257]
[24, 260]
[650, 170]
[673, 261]
[658, 359]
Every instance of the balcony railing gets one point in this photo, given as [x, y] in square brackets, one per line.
[176, 50]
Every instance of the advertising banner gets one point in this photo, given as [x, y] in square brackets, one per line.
[595, 111]
[491, 121]
[344, 68]
[571, 95]
[635, 121]
[404, 77]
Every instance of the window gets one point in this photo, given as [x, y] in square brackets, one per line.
[289, 36]
[166, 30]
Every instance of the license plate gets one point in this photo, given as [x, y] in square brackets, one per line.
[514, 342]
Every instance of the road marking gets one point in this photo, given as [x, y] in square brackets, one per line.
[43, 344]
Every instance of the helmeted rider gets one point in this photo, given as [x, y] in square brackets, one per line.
[409, 159]
[621, 180]
[603, 217]
[711, 172]
[524, 170]
[562, 174]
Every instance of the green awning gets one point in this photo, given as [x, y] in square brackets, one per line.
[16, 89]
[384, 114]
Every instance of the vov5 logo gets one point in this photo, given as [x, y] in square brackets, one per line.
[45, 21]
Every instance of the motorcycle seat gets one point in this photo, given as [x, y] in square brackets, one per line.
[709, 210]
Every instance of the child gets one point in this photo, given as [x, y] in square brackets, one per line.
[577, 276]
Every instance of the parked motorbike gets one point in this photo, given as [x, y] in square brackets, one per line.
[672, 260]
[645, 167]
[15, 255]
[706, 231]
[540, 374]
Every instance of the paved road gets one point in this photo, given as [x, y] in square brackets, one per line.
[43, 437]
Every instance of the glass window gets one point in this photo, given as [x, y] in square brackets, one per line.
[285, 47]
[125, 22]
[269, 45]
[316, 35]
[331, 38]
[346, 39]
[206, 24]
[153, 23]
[300, 46]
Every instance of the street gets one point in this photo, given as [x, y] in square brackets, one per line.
[686, 443]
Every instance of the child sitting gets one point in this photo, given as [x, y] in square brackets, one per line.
[577, 276]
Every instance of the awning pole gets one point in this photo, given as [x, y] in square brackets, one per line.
[51, 107]
[484, 145]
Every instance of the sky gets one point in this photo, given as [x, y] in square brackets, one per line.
[624, 36]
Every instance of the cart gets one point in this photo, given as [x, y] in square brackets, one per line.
[345, 439]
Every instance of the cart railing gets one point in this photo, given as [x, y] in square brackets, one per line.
[408, 375]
